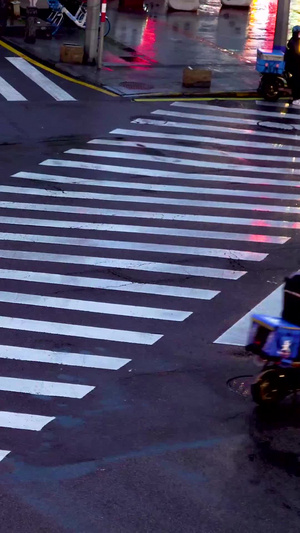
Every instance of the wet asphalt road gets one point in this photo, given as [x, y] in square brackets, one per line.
[161, 444]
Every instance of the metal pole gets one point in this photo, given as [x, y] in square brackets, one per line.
[91, 31]
[101, 34]
[282, 24]
[30, 24]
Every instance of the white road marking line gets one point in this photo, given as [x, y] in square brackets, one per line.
[151, 230]
[88, 182]
[126, 197]
[178, 217]
[200, 139]
[157, 173]
[131, 264]
[40, 79]
[76, 330]
[44, 388]
[196, 163]
[62, 358]
[237, 335]
[108, 284]
[3, 454]
[10, 94]
[237, 120]
[160, 200]
[93, 307]
[136, 246]
[200, 151]
[208, 118]
[213, 128]
[26, 421]
[237, 110]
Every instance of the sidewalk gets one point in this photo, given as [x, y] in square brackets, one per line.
[146, 53]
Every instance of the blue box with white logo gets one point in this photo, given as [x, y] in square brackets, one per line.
[273, 337]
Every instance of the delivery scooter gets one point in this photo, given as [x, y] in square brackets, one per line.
[275, 341]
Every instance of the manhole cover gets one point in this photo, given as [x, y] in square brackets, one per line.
[136, 85]
[277, 126]
[241, 385]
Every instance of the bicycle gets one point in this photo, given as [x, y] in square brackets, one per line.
[56, 17]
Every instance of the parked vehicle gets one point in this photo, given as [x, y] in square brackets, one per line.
[58, 12]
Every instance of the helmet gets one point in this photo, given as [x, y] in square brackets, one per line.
[296, 31]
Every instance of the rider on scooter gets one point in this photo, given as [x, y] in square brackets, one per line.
[292, 60]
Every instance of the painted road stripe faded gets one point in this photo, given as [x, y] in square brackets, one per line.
[196, 163]
[76, 330]
[62, 358]
[151, 230]
[131, 264]
[237, 335]
[135, 246]
[40, 79]
[44, 388]
[9, 419]
[108, 284]
[93, 307]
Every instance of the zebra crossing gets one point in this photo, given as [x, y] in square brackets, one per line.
[33, 78]
[135, 271]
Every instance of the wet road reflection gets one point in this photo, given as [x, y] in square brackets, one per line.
[238, 30]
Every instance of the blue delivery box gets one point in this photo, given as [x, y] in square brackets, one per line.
[270, 62]
[274, 338]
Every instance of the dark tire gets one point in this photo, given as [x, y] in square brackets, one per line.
[269, 388]
[269, 88]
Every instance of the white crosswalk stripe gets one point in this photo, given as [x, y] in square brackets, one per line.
[40, 79]
[27, 77]
[93, 307]
[44, 388]
[173, 254]
[194, 150]
[10, 94]
[183, 162]
[25, 421]
[3, 454]
[201, 139]
[68, 180]
[129, 264]
[135, 246]
[217, 129]
[152, 230]
[238, 111]
[168, 174]
[60, 358]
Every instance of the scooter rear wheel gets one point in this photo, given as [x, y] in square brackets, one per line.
[269, 388]
[269, 88]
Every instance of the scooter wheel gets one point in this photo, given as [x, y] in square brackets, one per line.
[270, 89]
[269, 388]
